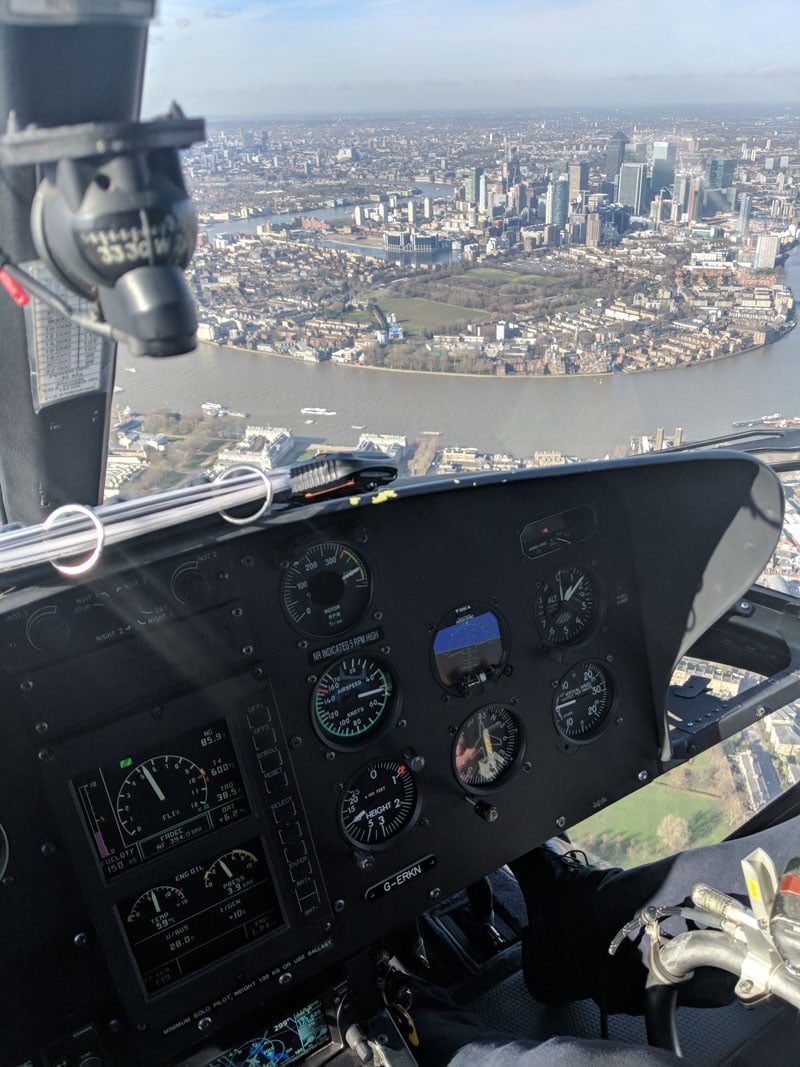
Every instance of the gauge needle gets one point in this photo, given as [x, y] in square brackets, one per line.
[370, 693]
[565, 703]
[572, 588]
[487, 743]
[154, 899]
[153, 783]
[351, 573]
[226, 869]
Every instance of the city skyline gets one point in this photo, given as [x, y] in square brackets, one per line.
[247, 58]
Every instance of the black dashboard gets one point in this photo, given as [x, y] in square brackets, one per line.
[232, 758]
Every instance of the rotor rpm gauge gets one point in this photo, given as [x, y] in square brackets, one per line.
[353, 700]
[159, 793]
[326, 590]
[486, 747]
[566, 605]
[583, 701]
[380, 802]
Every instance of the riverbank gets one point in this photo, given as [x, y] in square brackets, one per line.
[599, 375]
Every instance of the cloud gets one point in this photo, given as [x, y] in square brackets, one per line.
[219, 13]
[182, 24]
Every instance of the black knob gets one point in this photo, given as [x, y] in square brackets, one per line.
[488, 812]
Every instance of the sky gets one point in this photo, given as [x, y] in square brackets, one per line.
[251, 58]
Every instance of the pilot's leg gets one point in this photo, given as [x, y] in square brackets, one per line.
[449, 1035]
[575, 910]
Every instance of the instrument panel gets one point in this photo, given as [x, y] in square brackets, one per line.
[238, 757]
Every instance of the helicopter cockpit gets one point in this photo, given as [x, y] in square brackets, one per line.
[254, 728]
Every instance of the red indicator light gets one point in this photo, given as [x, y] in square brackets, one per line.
[14, 289]
[402, 769]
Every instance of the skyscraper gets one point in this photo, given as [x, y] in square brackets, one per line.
[680, 196]
[663, 175]
[719, 173]
[593, 229]
[472, 185]
[578, 180]
[745, 207]
[615, 153]
[767, 249]
[694, 210]
[635, 153]
[632, 186]
[557, 203]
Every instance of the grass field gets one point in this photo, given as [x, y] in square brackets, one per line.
[633, 822]
[415, 314]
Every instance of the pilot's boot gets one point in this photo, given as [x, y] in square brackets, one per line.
[565, 945]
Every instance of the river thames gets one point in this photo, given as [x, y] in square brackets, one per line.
[581, 416]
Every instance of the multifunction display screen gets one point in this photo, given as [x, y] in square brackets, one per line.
[200, 914]
[289, 1041]
[146, 803]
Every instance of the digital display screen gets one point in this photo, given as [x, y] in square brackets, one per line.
[289, 1041]
[147, 803]
[469, 645]
[200, 914]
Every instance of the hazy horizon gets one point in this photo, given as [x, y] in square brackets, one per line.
[265, 58]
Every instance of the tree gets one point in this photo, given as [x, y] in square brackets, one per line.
[673, 833]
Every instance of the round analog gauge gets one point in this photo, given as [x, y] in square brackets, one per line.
[353, 700]
[161, 792]
[326, 590]
[566, 605]
[380, 801]
[232, 872]
[157, 909]
[486, 747]
[582, 701]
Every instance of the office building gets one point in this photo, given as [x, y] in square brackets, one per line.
[593, 229]
[578, 180]
[557, 203]
[472, 185]
[635, 153]
[745, 207]
[694, 209]
[767, 249]
[632, 189]
[719, 173]
[663, 173]
[615, 153]
[680, 197]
